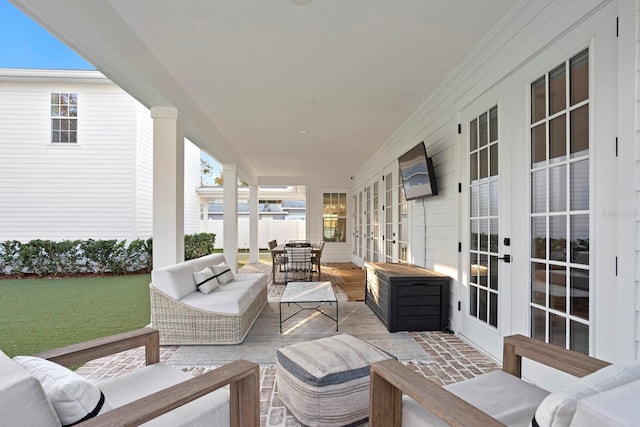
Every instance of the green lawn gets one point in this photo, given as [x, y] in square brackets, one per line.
[41, 314]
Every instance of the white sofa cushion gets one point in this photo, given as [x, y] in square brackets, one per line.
[23, 402]
[177, 280]
[503, 396]
[232, 298]
[559, 407]
[254, 282]
[616, 407]
[207, 261]
[222, 273]
[210, 410]
[73, 398]
[225, 300]
[205, 280]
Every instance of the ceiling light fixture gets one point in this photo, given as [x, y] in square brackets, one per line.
[301, 2]
[303, 131]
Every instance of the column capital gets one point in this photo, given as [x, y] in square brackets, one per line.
[164, 112]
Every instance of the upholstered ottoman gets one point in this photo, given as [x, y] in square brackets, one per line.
[325, 382]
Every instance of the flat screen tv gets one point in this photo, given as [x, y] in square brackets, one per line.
[418, 176]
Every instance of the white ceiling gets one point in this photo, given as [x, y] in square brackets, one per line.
[248, 75]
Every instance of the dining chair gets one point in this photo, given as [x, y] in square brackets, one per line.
[278, 261]
[316, 258]
[298, 263]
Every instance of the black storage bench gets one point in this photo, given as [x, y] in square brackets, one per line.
[406, 297]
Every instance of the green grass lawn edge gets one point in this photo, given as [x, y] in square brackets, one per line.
[46, 313]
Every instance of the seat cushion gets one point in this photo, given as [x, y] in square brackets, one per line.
[325, 382]
[210, 410]
[559, 407]
[513, 401]
[503, 396]
[224, 300]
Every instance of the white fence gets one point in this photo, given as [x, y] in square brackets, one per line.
[268, 229]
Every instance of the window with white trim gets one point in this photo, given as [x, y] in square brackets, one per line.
[64, 118]
[334, 217]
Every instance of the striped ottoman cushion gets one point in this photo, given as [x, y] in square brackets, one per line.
[325, 382]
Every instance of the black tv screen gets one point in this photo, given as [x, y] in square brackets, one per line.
[416, 170]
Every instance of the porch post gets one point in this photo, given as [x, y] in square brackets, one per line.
[230, 216]
[254, 247]
[204, 208]
[168, 187]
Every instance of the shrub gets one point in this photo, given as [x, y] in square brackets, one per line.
[69, 257]
[199, 244]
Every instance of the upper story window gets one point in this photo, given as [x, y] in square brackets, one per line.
[64, 118]
[334, 217]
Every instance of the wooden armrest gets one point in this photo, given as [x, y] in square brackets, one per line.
[518, 346]
[243, 377]
[390, 379]
[76, 354]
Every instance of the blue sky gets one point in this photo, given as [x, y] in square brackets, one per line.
[24, 44]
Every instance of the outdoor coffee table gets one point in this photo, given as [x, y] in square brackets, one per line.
[302, 293]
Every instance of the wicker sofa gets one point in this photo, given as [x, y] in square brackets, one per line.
[184, 315]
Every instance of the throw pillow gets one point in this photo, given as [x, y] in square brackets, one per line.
[558, 408]
[73, 398]
[223, 273]
[205, 280]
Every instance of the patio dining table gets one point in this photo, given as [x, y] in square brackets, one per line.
[280, 251]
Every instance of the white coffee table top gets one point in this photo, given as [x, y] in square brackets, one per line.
[308, 292]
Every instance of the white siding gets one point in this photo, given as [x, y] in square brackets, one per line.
[144, 172]
[529, 29]
[65, 192]
[637, 181]
[191, 183]
[101, 188]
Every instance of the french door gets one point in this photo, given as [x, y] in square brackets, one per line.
[538, 258]
[485, 290]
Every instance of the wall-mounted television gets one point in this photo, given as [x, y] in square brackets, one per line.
[418, 176]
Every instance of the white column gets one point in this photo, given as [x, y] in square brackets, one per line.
[230, 216]
[168, 187]
[204, 208]
[254, 246]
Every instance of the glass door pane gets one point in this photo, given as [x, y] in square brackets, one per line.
[559, 216]
[403, 223]
[376, 222]
[484, 217]
[389, 235]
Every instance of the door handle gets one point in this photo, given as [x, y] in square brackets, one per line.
[505, 258]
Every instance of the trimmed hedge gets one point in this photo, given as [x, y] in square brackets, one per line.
[71, 257]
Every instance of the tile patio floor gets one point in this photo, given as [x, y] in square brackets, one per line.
[454, 360]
